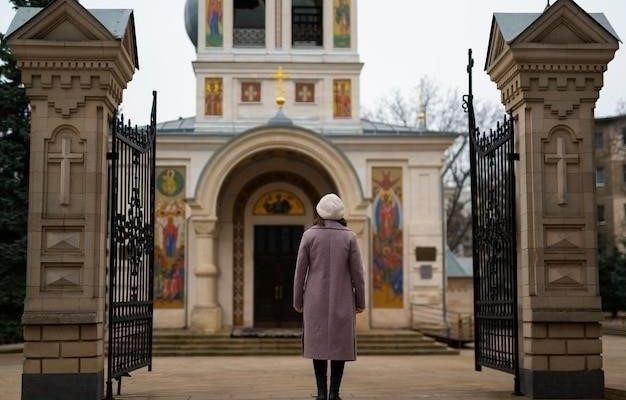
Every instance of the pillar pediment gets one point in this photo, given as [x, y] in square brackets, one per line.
[63, 20]
[564, 23]
[517, 38]
[85, 36]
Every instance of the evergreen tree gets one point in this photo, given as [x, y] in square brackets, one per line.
[613, 281]
[14, 147]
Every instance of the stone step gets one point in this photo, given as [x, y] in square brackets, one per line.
[209, 341]
[294, 346]
[295, 352]
[182, 343]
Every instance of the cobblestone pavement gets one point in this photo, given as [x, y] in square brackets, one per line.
[256, 378]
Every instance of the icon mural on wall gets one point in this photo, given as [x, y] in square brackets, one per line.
[278, 202]
[387, 238]
[342, 98]
[214, 23]
[342, 26]
[169, 240]
[251, 92]
[213, 96]
[305, 92]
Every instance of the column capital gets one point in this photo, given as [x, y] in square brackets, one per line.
[205, 226]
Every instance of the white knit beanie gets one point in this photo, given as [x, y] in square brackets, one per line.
[330, 207]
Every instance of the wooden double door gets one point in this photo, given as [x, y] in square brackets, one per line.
[275, 253]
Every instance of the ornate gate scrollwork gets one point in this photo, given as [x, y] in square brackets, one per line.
[492, 162]
[131, 248]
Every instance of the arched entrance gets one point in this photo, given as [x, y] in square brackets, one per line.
[235, 192]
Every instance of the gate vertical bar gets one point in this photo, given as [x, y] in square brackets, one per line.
[131, 258]
[468, 105]
[494, 239]
[153, 120]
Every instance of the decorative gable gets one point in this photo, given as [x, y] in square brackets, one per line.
[565, 23]
[63, 20]
[68, 21]
[497, 45]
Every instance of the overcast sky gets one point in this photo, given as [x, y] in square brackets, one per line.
[399, 41]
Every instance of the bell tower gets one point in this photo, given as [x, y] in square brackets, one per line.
[240, 44]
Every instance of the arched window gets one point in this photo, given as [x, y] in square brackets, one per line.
[249, 23]
[307, 23]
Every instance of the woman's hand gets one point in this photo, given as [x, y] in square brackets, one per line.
[298, 310]
[359, 310]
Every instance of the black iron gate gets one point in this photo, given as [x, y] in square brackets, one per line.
[131, 248]
[492, 162]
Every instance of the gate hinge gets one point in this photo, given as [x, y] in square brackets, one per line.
[111, 156]
[513, 156]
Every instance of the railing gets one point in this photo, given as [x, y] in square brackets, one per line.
[457, 328]
[249, 37]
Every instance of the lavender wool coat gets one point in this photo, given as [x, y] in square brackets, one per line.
[328, 287]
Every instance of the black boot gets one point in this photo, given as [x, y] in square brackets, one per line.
[321, 367]
[336, 373]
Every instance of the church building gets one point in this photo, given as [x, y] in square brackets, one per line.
[277, 126]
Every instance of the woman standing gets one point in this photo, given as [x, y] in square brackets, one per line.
[329, 290]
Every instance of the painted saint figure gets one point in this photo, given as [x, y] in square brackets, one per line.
[213, 96]
[388, 238]
[343, 99]
[170, 237]
[342, 29]
[214, 23]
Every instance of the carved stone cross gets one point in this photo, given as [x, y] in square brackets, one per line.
[561, 159]
[65, 158]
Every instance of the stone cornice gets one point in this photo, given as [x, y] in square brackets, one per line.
[97, 55]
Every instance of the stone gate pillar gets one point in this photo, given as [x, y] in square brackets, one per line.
[74, 66]
[549, 68]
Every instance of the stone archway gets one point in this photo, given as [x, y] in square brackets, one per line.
[267, 138]
[208, 218]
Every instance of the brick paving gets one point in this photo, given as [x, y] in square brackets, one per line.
[289, 377]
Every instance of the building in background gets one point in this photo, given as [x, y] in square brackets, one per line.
[610, 177]
[277, 126]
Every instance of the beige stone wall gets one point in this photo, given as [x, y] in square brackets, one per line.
[460, 295]
[63, 349]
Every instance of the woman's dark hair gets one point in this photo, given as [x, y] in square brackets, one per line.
[319, 221]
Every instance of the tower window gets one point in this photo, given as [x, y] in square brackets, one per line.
[600, 178]
[598, 140]
[307, 18]
[249, 23]
[601, 216]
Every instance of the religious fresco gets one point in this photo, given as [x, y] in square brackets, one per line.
[342, 98]
[169, 240]
[213, 96]
[305, 92]
[341, 25]
[387, 238]
[278, 202]
[251, 92]
[214, 23]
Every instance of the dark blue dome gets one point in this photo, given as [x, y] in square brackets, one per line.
[191, 21]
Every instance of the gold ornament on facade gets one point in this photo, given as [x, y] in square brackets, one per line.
[280, 87]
